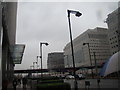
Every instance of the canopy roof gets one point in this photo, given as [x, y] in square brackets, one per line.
[112, 65]
[16, 52]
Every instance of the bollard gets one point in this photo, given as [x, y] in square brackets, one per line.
[87, 84]
[98, 82]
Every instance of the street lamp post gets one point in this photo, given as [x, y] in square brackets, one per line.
[41, 54]
[90, 58]
[77, 13]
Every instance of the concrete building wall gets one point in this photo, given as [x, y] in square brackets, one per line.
[55, 60]
[9, 13]
[113, 22]
[10, 20]
[98, 43]
[78, 52]
[0, 46]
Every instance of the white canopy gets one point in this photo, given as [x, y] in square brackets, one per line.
[112, 65]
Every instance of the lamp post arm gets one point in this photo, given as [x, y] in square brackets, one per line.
[76, 13]
[72, 11]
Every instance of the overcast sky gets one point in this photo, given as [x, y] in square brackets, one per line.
[47, 22]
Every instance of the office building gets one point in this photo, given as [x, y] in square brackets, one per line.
[113, 22]
[98, 48]
[55, 60]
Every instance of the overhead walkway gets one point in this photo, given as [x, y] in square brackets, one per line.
[57, 70]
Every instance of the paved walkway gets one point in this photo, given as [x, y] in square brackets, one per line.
[104, 83]
[19, 87]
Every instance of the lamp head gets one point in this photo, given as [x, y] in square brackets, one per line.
[46, 44]
[78, 14]
[84, 43]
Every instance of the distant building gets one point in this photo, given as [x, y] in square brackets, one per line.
[55, 60]
[98, 43]
[10, 53]
[113, 22]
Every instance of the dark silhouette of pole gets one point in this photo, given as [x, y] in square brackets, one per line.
[72, 50]
[98, 78]
[90, 58]
[95, 63]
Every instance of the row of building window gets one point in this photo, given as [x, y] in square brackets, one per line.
[113, 38]
[102, 49]
[98, 40]
[100, 55]
[117, 32]
[115, 52]
[97, 36]
[99, 43]
[115, 46]
[116, 41]
[104, 46]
